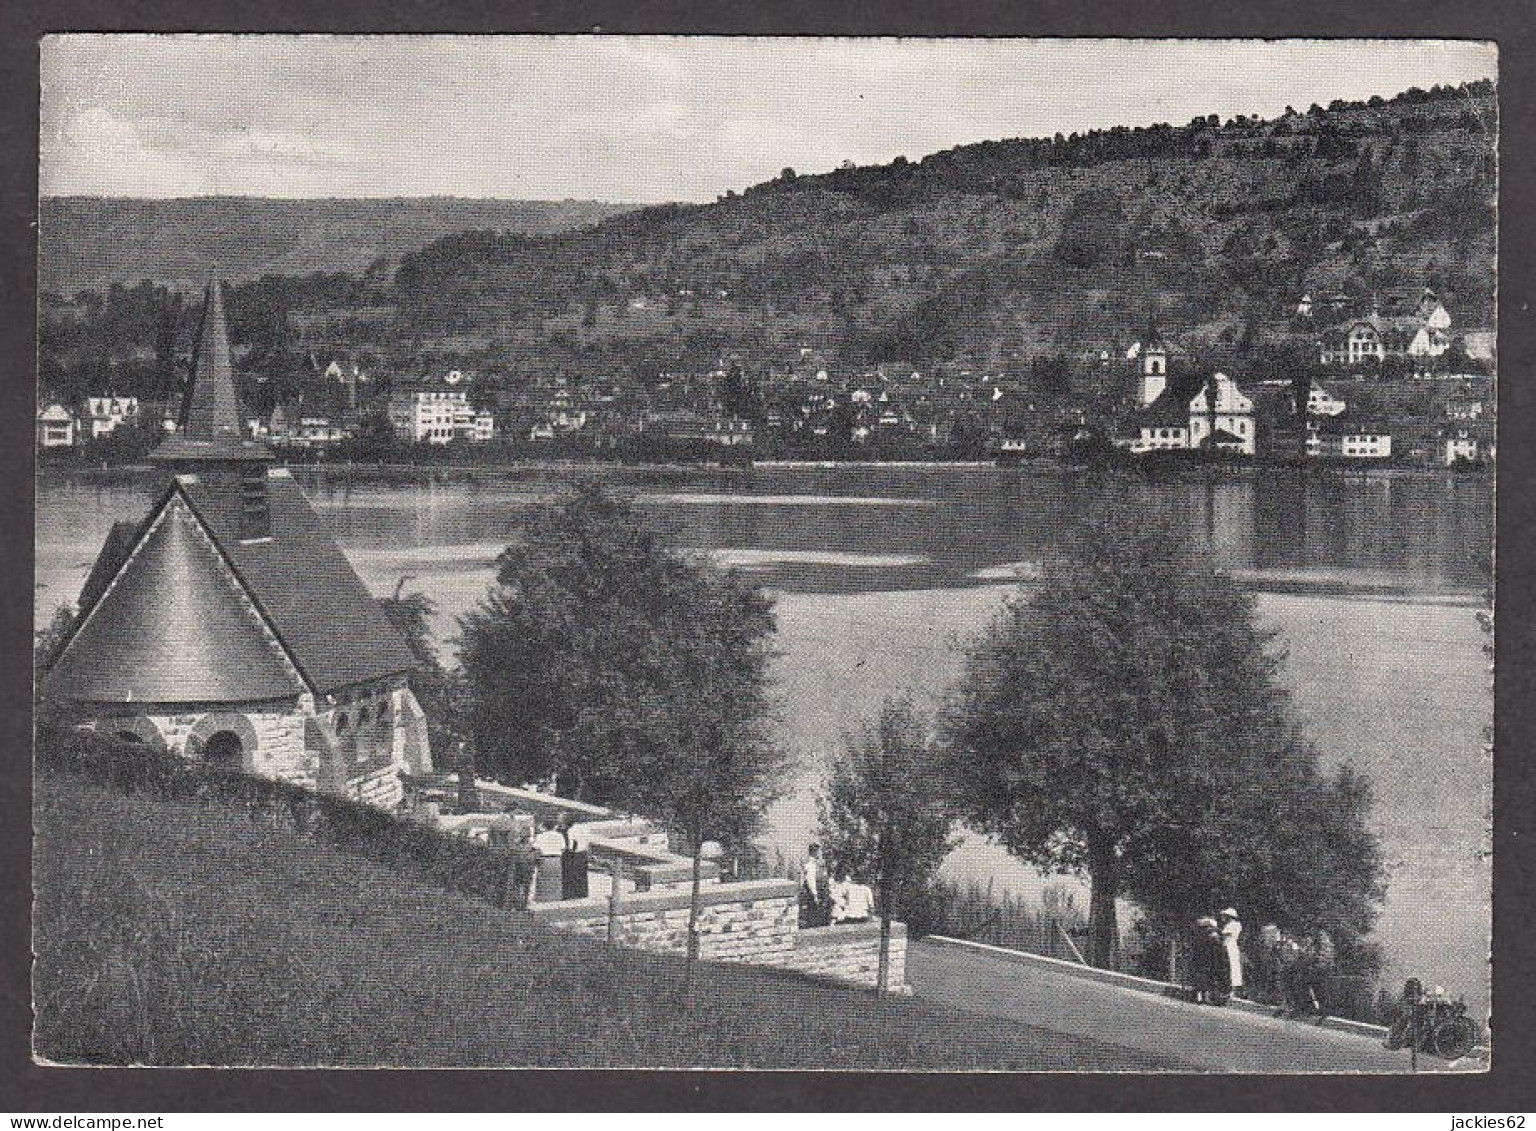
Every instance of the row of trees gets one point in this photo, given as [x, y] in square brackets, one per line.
[1123, 721]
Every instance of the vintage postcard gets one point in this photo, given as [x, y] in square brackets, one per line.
[822, 553]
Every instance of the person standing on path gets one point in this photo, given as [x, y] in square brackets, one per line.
[549, 883]
[1294, 974]
[1266, 967]
[1231, 931]
[815, 909]
[1320, 971]
[1213, 988]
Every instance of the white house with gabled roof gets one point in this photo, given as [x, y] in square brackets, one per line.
[56, 427]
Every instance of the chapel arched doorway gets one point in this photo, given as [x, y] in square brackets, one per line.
[224, 750]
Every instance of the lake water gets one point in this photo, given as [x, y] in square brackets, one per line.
[881, 574]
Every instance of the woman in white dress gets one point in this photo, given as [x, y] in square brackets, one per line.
[1231, 931]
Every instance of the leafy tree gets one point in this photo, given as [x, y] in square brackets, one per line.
[1052, 374]
[636, 676]
[127, 443]
[886, 813]
[1127, 722]
[375, 437]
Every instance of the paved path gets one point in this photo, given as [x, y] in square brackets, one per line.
[1209, 1039]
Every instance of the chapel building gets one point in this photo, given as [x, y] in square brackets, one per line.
[227, 625]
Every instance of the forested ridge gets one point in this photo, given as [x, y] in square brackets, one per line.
[987, 255]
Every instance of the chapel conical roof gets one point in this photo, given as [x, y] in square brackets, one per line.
[175, 626]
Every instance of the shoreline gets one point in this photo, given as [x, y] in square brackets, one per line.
[556, 468]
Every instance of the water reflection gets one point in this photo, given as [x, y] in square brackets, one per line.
[1420, 535]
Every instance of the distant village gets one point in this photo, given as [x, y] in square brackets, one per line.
[1390, 380]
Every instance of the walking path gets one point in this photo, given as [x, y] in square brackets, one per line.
[1209, 1038]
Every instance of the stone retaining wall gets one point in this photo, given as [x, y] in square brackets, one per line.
[848, 952]
[494, 795]
[755, 922]
[737, 922]
[379, 788]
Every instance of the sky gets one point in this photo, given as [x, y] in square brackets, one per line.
[634, 118]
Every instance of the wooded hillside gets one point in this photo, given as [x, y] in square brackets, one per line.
[988, 254]
[87, 242]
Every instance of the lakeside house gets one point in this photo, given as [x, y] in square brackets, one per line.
[61, 426]
[1376, 337]
[56, 427]
[1420, 334]
[1341, 437]
[439, 411]
[228, 627]
[1333, 305]
[1321, 402]
[1465, 403]
[1480, 345]
[102, 415]
[318, 432]
[1466, 443]
[692, 426]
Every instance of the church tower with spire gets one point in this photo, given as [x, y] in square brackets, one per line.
[208, 443]
[227, 626]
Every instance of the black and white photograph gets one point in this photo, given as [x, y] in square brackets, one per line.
[783, 553]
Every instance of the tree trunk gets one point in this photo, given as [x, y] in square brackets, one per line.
[616, 872]
[693, 913]
[883, 976]
[693, 903]
[1103, 926]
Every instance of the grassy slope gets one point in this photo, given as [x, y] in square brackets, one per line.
[180, 934]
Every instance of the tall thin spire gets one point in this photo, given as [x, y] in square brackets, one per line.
[208, 428]
[211, 409]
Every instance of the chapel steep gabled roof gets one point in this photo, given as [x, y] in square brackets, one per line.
[329, 622]
[171, 634]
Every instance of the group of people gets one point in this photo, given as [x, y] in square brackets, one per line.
[547, 868]
[1295, 973]
[831, 897]
[1277, 969]
[1216, 961]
